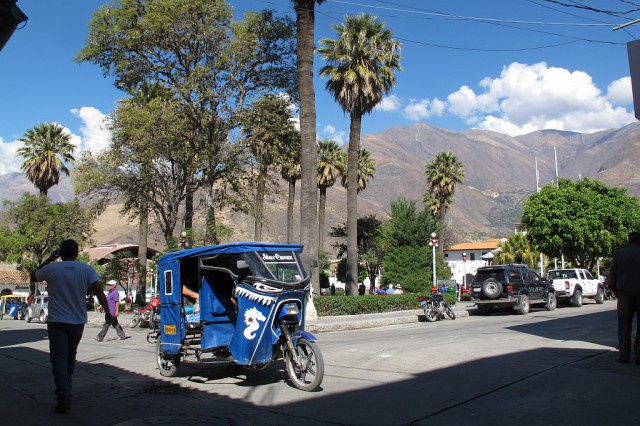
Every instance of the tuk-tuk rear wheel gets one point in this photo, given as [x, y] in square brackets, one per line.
[167, 364]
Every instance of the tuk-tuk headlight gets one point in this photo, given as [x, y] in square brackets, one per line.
[291, 309]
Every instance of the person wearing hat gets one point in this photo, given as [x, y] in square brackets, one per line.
[68, 282]
[113, 298]
[623, 281]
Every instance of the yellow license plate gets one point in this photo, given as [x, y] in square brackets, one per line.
[170, 329]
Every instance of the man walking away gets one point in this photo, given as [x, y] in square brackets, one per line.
[113, 299]
[624, 281]
[68, 282]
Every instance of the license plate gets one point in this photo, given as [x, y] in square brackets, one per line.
[476, 290]
[170, 329]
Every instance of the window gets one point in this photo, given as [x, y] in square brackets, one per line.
[588, 275]
[472, 256]
[514, 275]
[168, 282]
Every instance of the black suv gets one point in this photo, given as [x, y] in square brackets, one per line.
[512, 285]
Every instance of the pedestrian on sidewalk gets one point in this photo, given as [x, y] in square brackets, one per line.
[68, 282]
[111, 319]
[624, 282]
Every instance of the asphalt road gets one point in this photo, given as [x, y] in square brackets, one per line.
[552, 368]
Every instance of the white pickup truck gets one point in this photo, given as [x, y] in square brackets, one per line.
[573, 285]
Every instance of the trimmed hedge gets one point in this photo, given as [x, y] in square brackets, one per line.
[369, 304]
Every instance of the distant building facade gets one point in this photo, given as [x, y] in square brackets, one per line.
[477, 254]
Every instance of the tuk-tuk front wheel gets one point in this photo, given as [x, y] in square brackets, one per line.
[306, 371]
[167, 364]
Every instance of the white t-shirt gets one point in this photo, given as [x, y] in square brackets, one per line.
[67, 285]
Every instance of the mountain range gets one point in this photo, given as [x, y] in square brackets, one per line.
[500, 173]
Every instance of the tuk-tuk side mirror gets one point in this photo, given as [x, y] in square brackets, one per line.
[314, 263]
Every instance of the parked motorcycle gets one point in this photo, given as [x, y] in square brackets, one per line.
[145, 317]
[435, 307]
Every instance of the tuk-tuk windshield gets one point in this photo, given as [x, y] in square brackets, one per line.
[283, 266]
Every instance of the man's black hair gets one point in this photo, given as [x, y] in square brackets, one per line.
[69, 249]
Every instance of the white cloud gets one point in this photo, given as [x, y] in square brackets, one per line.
[423, 109]
[95, 136]
[339, 136]
[619, 91]
[525, 98]
[10, 162]
[390, 103]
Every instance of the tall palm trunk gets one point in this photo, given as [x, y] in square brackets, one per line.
[259, 206]
[351, 286]
[321, 211]
[143, 235]
[290, 204]
[305, 22]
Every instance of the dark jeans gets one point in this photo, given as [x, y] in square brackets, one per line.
[63, 346]
[628, 306]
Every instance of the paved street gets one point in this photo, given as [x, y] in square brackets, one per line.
[544, 368]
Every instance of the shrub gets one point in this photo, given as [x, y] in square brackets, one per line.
[368, 304]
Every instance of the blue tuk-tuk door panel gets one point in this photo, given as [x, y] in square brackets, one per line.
[253, 340]
[172, 322]
[216, 315]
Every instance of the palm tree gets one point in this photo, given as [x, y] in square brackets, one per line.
[290, 172]
[331, 163]
[305, 25]
[361, 65]
[443, 174]
[366, 169]
[47, 150]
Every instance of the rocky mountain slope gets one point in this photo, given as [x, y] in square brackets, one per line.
[500, 172]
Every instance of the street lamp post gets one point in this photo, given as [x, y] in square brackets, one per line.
[433, 242]
[464, 272]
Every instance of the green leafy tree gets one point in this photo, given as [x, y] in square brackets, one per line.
[331, 163]
[47, 150]
[516, 249]
[213, 65]
[305, 30]
[371, 248]
[444, 172]
[582, 220]
[360, 66]
[408, 260]
[33, 228]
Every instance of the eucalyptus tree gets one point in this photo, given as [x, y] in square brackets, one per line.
[47, 150]
[360, 66]
[269, 130]
[305, 29]
[145, 162]
[332, 162]
[444, 172]
[214, 66]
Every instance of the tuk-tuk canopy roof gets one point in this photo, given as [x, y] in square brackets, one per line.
[229, 248]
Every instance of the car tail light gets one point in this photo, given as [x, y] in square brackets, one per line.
[566, 285]
[510, 289]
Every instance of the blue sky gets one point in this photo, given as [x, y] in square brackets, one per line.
[511, 66]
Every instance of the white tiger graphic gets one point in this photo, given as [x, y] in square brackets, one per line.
[251, 318]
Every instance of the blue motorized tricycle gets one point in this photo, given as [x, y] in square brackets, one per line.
[251, 300]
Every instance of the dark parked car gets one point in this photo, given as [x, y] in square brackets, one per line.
[512, 285]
